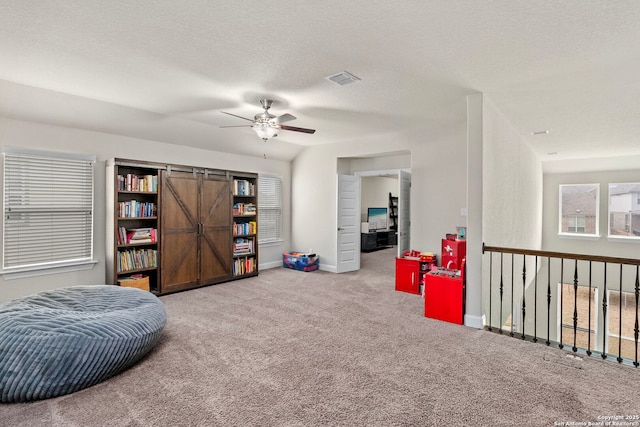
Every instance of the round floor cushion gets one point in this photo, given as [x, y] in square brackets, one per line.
[60, 341]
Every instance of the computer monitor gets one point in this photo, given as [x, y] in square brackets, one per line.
[377, 219]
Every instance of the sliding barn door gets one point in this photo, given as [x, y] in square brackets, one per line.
[179, 231]
[216, 236]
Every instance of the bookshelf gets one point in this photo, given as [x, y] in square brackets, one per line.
[245, 226]
[132, 230]
[181, 226]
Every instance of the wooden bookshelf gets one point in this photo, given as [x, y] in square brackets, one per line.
[245, 225]
[132, 223]
[195, 226]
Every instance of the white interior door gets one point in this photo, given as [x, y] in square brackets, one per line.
[404, 212]
[348, 223]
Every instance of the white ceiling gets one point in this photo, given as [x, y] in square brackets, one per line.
[164, 69]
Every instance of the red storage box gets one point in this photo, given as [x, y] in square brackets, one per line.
[444, 297]
[300, 261]
[453, 253]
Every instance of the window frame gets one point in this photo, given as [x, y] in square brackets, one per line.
[628, 238]
[580, 235]
[81, 260]
[264, 207]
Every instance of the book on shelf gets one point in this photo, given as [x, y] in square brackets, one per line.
[244, 209]
[243, 246]
[244, 228]
[135, 209]
[243, 187]
[243, 266]
[140, 183]
[137, 235]
[137, 259]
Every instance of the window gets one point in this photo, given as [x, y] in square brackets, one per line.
[624, 210]
[579, 209]
[269, 209]
[48, 210]
[576, 224]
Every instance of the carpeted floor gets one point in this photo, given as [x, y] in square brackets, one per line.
[288, 348]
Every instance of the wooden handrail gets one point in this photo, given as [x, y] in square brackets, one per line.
[582, 257]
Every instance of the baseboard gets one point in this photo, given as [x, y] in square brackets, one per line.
[329, 268]
[474, 321]
[268, 265]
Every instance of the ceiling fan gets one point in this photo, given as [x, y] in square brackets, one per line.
[266, 125]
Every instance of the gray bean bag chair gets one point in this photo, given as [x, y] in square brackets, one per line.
[57, 342]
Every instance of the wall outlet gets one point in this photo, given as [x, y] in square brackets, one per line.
[463, 211]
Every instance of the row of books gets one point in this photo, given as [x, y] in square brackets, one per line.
[244, 266]
[242, 246]
[142, 183]
[244, 209]
[134, 236]
[137, 259]
[243, 187]
[244, 228]
[135, 209]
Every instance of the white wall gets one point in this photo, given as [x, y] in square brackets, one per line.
[105, 146]
[374, 193]
[512, 198]
[475, 135]
[388, 161]
[512, 186]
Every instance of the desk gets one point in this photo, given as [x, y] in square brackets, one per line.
[376, 240]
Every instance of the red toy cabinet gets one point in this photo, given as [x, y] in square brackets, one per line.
[453, 252]
[444, 296]
[408, 275]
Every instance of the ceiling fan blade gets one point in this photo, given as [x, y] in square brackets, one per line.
[235, 115]
[285, 118]
[297, 129]
[237, 126]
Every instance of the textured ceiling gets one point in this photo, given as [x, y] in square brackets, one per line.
[163, 70]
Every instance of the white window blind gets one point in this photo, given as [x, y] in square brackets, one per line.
[269, 208]
[48, 209]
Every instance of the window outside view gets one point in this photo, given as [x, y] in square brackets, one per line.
[624, 210]
[579, 209]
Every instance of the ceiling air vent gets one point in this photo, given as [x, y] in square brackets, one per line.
[343, 78]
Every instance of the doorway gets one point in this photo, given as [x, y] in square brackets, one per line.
[380, 178]
[387, 191]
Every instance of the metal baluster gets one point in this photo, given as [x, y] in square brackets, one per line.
[535, 302]
[589, 326]
[501, 288]
[635, 330]
[548, 342]
[524, 299]
[575, 307]
[561, 297]
[490, 282]
[619, 358]
[512, 319]
[604, 314]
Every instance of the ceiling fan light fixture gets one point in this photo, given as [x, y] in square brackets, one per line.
[265, 131]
